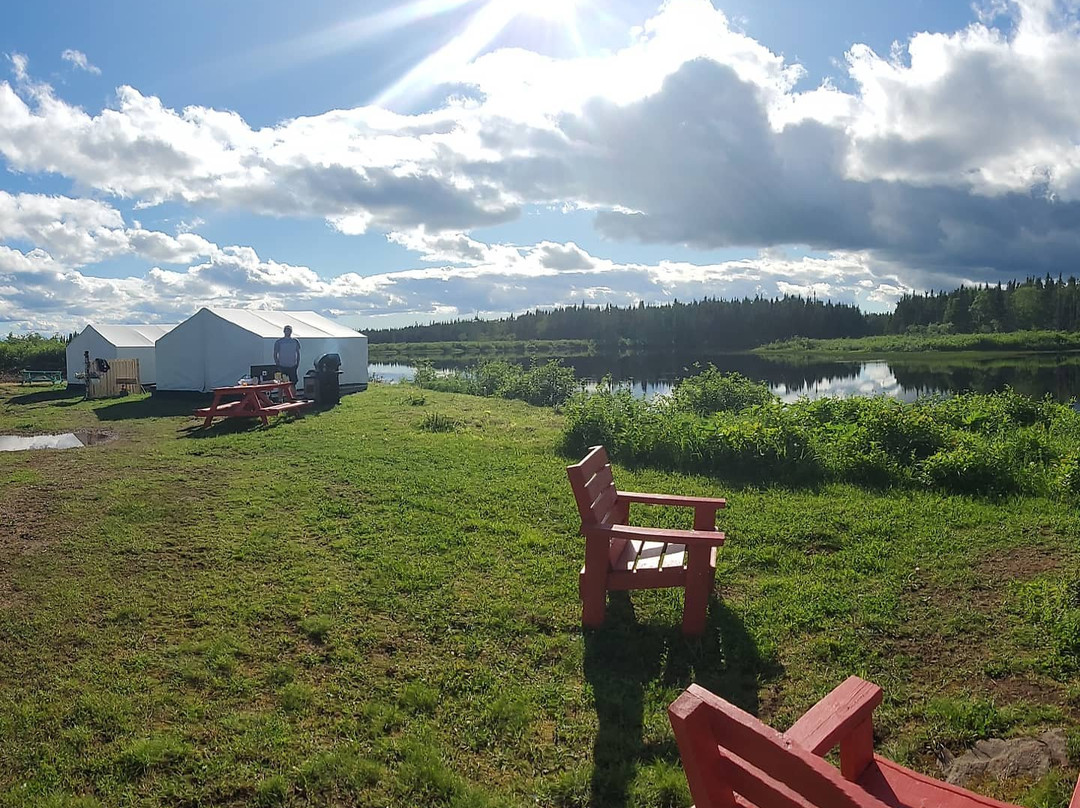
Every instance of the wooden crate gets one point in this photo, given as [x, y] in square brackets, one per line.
[122, 378]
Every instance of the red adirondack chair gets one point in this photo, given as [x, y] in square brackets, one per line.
[732, 759]
[621, 556]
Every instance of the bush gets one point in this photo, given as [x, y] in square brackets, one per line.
[548, 385]
[763, 444]
[600, 418]
[987, 445]
[904, 432]
[973, 466]
[1067, 476]
[32, 351]
[712, 391]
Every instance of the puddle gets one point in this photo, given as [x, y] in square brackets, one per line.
[14, 443]
[67, 440]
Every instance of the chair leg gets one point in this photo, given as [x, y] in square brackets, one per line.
[593, 601]
[699, 584]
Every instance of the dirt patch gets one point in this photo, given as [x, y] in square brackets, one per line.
[94, 437]
[956, 631]
[24, 515]
[1017, 563]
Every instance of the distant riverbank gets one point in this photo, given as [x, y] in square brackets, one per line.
[868, 347]
[481, 349]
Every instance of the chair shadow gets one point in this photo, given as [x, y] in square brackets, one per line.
[624, 658]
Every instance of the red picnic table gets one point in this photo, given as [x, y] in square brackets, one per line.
[252, 401]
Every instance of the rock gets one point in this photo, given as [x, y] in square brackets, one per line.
[1029, 758]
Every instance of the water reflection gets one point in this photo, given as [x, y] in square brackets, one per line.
[902, 378]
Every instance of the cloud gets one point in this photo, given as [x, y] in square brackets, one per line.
[78, 232]
[19, 64]
[955, 157]
[78, 60]
[41, 293]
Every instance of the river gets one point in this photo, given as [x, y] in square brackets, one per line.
[900, 376]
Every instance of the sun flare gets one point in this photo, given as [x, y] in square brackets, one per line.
[552, 10]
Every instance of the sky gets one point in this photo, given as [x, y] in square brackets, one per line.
[386, 163]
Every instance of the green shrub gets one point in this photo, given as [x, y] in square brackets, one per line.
[600, 418]
[987, 445]
[1067, 476]
[972, 466]
[32, 351]
[546, 385]
[711, 391]
[763, 443]
[904, 432]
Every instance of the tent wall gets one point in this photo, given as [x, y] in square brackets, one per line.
[116, 342]
[99, 348]
[208, 350]
[229, 352]
[204, 352]
[352, 349]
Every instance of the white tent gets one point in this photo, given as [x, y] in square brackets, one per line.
[116, 342]
[216, 347]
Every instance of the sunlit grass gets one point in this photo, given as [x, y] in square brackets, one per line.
[348, 609]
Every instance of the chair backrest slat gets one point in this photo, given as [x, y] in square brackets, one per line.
[754, 760]
[593, 487]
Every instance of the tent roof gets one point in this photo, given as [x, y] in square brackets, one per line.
[133, 336]
[305, 324]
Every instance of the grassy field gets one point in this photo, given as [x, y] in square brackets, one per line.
[1015, 342]
[377, 605]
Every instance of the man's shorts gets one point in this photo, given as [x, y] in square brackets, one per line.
[289, 372]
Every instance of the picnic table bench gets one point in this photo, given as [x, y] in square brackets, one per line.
[50, 376]
[621, 556]
[733, 759]
[252, 401]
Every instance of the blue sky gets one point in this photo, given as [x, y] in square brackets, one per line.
[809, 131]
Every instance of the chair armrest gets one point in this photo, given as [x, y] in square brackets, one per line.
[657, 534]
[669, 499]
[836, 716]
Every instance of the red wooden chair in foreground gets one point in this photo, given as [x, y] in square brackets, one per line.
[620, 556]
[732, 759]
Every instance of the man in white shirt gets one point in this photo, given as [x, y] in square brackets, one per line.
[287, 354]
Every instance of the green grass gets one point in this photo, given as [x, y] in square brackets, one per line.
[1016, 342]
[348, 609]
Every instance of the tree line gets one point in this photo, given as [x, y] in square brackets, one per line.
[1034, 303]
[703, 324]
[718, 324]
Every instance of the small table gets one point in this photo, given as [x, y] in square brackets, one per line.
[252, 401]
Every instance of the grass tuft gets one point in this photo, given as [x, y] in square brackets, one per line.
[317, 627]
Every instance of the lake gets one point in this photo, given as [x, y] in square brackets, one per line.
[902, 377]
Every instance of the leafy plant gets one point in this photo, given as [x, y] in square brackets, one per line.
[437, 422]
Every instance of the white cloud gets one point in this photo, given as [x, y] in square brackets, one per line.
[78, 59]
[957, 156]
[42, 294]
[86, 231]
[19, 64]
